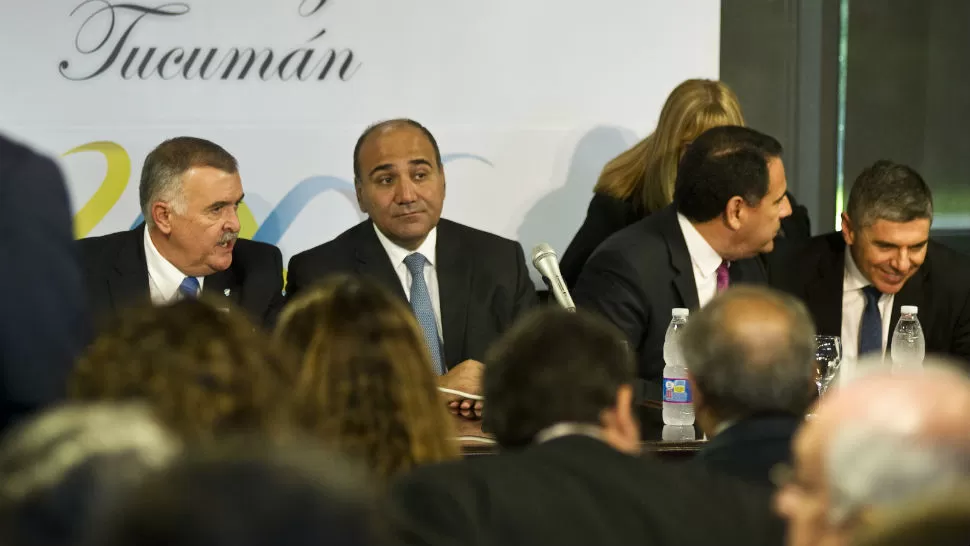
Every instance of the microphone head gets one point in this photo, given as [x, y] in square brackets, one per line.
[540, 251]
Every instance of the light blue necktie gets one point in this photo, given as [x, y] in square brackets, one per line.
[189, 289]
[870, 327]
[423, 309]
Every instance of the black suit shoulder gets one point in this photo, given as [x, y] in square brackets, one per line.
[605, 216]
[576, 490]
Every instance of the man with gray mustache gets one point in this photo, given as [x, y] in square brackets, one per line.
[189, 245]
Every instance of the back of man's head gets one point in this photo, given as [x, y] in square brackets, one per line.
[250, 495]
[751, 350]
[552, 367]
[891, 438]
[64, 471]
[888, 191]
[722, 163]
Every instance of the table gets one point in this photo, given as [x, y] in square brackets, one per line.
[651, 434]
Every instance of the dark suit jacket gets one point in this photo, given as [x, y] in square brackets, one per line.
[941, 288]
[117, 276]
[607, 215]
[576, 490]
[749, 448]
[637, 276]
[482, 280]
[42, 314]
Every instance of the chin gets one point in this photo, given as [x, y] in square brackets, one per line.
[220, 264]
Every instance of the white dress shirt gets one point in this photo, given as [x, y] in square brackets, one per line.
[427, 248]
[163, 277]
[853, 304]
[704, 258]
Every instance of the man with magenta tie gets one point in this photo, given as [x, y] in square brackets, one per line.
[729, 199]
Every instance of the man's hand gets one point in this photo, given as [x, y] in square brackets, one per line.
[465, 377]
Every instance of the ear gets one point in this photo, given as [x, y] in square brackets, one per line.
[848, 233]
[735, 212]
[360, 199]
[162, 216]
[620, 425]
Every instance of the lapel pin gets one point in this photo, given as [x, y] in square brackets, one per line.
[226, 291]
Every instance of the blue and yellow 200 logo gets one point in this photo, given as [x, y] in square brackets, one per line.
[270, 231]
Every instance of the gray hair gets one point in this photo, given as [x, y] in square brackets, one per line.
[871, 467]
[739, 375]
[161, 174]
[41, 452]
[888, 191]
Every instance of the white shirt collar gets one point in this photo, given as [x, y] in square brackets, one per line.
[568, 429]
[163, 277]
[854, 279]
[397, 253]
[704, 258]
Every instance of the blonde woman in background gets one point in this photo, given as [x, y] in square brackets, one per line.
[365, 383]
[640, 181]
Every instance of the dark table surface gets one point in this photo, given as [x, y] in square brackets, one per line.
[651, 434]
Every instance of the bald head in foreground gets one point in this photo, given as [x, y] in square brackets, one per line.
[881, 441]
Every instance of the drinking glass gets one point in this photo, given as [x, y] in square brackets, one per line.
[828, 358]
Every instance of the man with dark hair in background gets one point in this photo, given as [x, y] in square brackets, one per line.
[750, 355]
[190, 192]
[559, 387]
[465, 286]
[42, 314]
[728, 204]
[855, 281]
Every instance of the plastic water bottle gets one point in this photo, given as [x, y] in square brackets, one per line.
[678, 433]
[908, 345]
[678, 408]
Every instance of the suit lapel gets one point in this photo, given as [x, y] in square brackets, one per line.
[223, 288]
[823, 292]
[679, 259]
[454, 288]
[128, 282]
[372, 260]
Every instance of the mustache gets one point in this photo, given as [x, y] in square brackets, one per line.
[228, 237]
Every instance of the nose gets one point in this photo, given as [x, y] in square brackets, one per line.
[785, 208]
[902, 262]
[405, 191]
[232, 223]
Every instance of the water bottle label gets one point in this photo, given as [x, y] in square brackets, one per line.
[677, 391]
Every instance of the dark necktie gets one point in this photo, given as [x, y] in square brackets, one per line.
[189, 289]
[723, 277]
[870, 328]
[423, 308]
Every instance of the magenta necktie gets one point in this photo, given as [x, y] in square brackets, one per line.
[723, 278]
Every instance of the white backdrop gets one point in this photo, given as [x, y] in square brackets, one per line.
[527, 98]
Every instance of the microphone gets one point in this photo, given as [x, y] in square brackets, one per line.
[545, 261]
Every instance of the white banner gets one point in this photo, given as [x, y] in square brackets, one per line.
[527, 98]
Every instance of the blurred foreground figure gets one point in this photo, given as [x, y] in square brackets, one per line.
[42, 313]
[250, 496]
[935, 520]
[63, 472]
[882, 441]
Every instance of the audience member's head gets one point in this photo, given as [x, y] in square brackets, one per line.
[365, 383]
[750, 351]
[883, 440]
[64, 471]
[204, 372]
[250, 496]
[645, 173]
[399, 180]
[554, 367]
[933, 520]
[732, 180]
[886, 224]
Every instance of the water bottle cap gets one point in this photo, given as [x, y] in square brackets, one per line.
[909, 310]
[680, 312]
